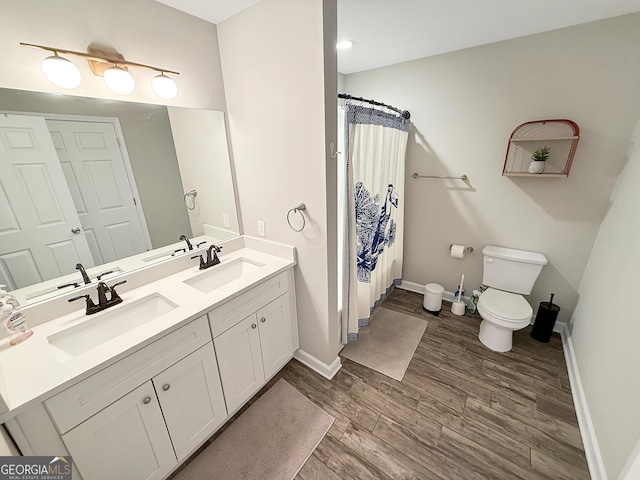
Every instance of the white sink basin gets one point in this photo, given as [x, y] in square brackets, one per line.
[220, 275]
[107, 325]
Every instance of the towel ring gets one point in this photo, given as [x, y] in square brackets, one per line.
[192, 194]
[297, 209]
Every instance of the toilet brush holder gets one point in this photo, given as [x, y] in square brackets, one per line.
[545, 321]
[458, 308]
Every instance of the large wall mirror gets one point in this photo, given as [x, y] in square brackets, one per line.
[111, 185]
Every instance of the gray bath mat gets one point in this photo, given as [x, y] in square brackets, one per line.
[388, 343]
[271, 440]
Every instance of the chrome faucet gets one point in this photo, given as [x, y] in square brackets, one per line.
[103, 302]
[85, 277]
[212, 257]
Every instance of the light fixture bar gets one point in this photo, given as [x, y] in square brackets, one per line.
[97, 58]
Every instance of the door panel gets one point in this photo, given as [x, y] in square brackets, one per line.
[128, 439]
[95, 170]
[240, 362]
[37, 212]
[275, 334]
[120, 239]
[191, 399]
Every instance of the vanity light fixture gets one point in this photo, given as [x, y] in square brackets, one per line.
[61, 72]
[119, 80]
[164, 86]
[110, 65]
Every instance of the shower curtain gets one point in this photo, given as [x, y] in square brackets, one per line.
[373, 189]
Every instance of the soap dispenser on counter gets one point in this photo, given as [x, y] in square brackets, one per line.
[15, 323]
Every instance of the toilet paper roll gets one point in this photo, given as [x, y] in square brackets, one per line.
[458, 251]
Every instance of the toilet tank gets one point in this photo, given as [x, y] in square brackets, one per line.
[511, 270]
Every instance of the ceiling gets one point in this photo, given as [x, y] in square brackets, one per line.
[393, 31]
[214, 11]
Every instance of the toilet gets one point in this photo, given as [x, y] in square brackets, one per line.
[508, 274]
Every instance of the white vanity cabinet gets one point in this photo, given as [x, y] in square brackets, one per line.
[260, 338]
[191, 399]
[144, 414]
[128, 439]
[187, 398]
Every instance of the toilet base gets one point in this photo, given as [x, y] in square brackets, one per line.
[494, 337]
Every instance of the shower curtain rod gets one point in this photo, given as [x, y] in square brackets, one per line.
[404, 113]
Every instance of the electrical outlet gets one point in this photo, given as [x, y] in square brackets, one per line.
[225, 220]
[261, 231]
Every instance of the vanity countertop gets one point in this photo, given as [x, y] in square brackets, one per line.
[35, 370]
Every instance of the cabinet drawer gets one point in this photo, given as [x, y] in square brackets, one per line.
[80, 401]
[234, 311]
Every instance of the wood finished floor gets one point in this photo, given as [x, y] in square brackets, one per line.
[460, 412]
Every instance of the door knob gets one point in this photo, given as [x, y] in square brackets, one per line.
[146, 400]
[263, 319]
[253, 325]
[166, 387]
[76, 230]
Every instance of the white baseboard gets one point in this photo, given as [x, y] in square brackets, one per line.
[418, 288]
[411, 286]
[327, 371]
[587, 431]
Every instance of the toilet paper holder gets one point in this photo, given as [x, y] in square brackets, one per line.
[466, 250]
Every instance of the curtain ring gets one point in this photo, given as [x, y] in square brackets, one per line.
[297, 209]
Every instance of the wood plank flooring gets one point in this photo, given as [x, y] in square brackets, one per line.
[461, 411]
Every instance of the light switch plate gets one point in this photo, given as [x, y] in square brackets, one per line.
[225, 220]
[261, 231]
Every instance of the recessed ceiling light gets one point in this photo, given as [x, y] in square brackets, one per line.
[344, 44]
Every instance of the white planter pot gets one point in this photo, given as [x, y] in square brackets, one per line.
[536, 167]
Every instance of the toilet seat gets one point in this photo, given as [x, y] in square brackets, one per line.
[509, 309]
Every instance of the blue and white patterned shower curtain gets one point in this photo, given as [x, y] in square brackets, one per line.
[375, 147]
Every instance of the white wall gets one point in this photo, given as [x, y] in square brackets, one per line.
[275, 85]
[144, 31]
[464, 106]
[606, 329]
[203, 156]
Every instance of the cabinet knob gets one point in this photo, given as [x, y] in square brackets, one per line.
[263, 319]
[146, 400]
[166, 387]
[253, 325]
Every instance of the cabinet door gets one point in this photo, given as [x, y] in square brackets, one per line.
[128, 439]
[191, 399]
[240, 362]
[275, 334]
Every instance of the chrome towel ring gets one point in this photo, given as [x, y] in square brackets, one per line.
[297, 209]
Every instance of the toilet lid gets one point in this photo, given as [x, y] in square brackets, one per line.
[508, 306]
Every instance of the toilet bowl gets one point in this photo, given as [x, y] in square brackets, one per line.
[508, 274]
[502, 314]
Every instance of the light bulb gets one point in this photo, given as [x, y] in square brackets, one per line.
[344, 44]
[164, 86]
[61, 72]
[119, 80]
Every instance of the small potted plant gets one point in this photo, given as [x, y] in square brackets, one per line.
[537, 160]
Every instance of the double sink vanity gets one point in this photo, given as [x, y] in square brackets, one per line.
[132, 391]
